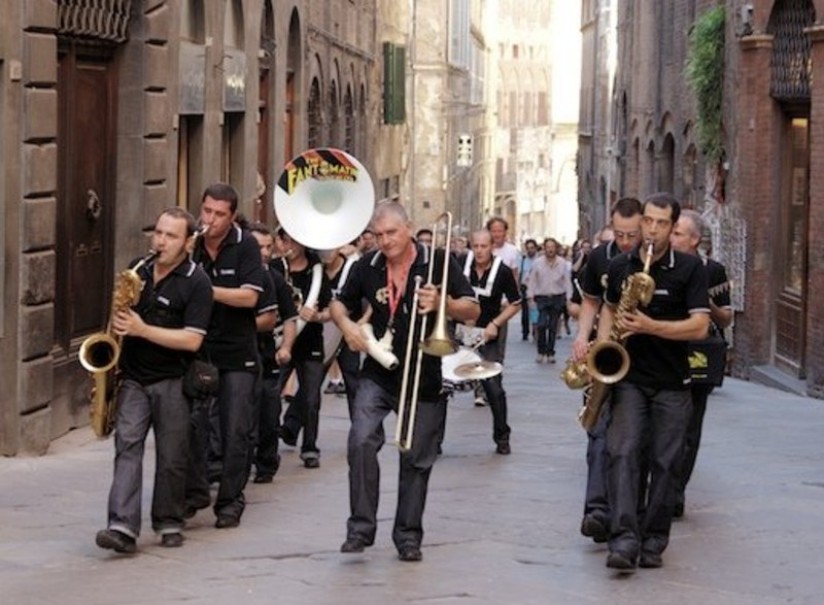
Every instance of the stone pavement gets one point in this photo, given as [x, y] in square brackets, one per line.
[498, 529]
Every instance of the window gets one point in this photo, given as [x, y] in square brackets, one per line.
[394, 83]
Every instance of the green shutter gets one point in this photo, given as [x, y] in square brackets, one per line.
[394, 83]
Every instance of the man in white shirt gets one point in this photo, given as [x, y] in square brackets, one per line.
[548, 288]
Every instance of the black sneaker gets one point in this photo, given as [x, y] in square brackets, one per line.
[263, 479]
[650, 560]
[353, 545]
[311, 463]
[226, 521]
[172, 540]
[410, 553]
[503, 448]
[117, 541]
[593, 526]
[617, 559]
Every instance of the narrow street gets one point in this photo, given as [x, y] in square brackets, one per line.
[498, 529]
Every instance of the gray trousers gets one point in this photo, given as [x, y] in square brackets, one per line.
[162, 407]
[366, 438]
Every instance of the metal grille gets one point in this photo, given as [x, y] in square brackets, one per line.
[791, 66]
[97, 19]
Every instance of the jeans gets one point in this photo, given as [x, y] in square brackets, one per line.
[596, 500]
[366, 438]
[268, 424]
[526, 325]
[549, 310]
[235, 403]
[304, 411]
[700, 393]
[647, 426]
[162, 407]
[495, 394]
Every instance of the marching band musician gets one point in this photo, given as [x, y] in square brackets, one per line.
[651, 406]
[273, 355]
[337, 267]
[231, 258]
[386, 279]
[298, 267]
[625, 220]
[491, 279]
[160, 335]
[686, 237]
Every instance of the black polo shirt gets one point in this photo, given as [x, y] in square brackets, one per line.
[181, 300]
[489, 295]
[277, 296]
[231, 343]
[680, 289]
[368, 280]
[592, 276]
[309, 343]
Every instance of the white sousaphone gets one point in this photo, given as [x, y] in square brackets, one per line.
[324, 199]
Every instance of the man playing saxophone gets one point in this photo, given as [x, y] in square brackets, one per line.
[160, 335]
[625, 220]
[651, 406]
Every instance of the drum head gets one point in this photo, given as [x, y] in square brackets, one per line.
[450, 362]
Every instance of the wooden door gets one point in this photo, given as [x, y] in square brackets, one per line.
[86, 188]
[791, 299]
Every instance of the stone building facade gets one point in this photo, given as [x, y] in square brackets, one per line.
[111, 111]
[760, 199]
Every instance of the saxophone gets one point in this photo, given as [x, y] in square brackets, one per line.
[100, 352]
[607, 361]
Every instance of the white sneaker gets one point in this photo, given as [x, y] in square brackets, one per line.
[480, 402]
[549, 358]
[540, 359]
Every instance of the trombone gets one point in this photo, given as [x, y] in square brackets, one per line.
[438, 343]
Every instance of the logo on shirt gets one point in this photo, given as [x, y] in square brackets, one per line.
[163, 300]
[382, 295]
[227, 271]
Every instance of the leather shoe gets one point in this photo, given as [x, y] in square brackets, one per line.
[410, 552]
[593, 526]
[311, 462]
[617, 559]
[650, 560]
[226, 521]
[503, 448]
[191, 510]
[352, 545]
[262, 479]
[117, 541]
[172, 540]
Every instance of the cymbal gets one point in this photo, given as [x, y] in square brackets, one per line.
[478, 370]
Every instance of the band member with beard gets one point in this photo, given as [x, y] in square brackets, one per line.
[651, 405]
[625, 220]
[686, 237]
[231, 258]
[273, 355]
[386, 280]
[492, 279]
[160, 336]
[303, 271]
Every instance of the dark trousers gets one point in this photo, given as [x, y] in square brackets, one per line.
[349, 362]
[304, 412]
[651, 421]
[596, 500]
[526, 325]
[162, 407]
[268, 424]
[700, 393]
[496, 396]
[235, 403]
[366, 438]
[549, 310]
